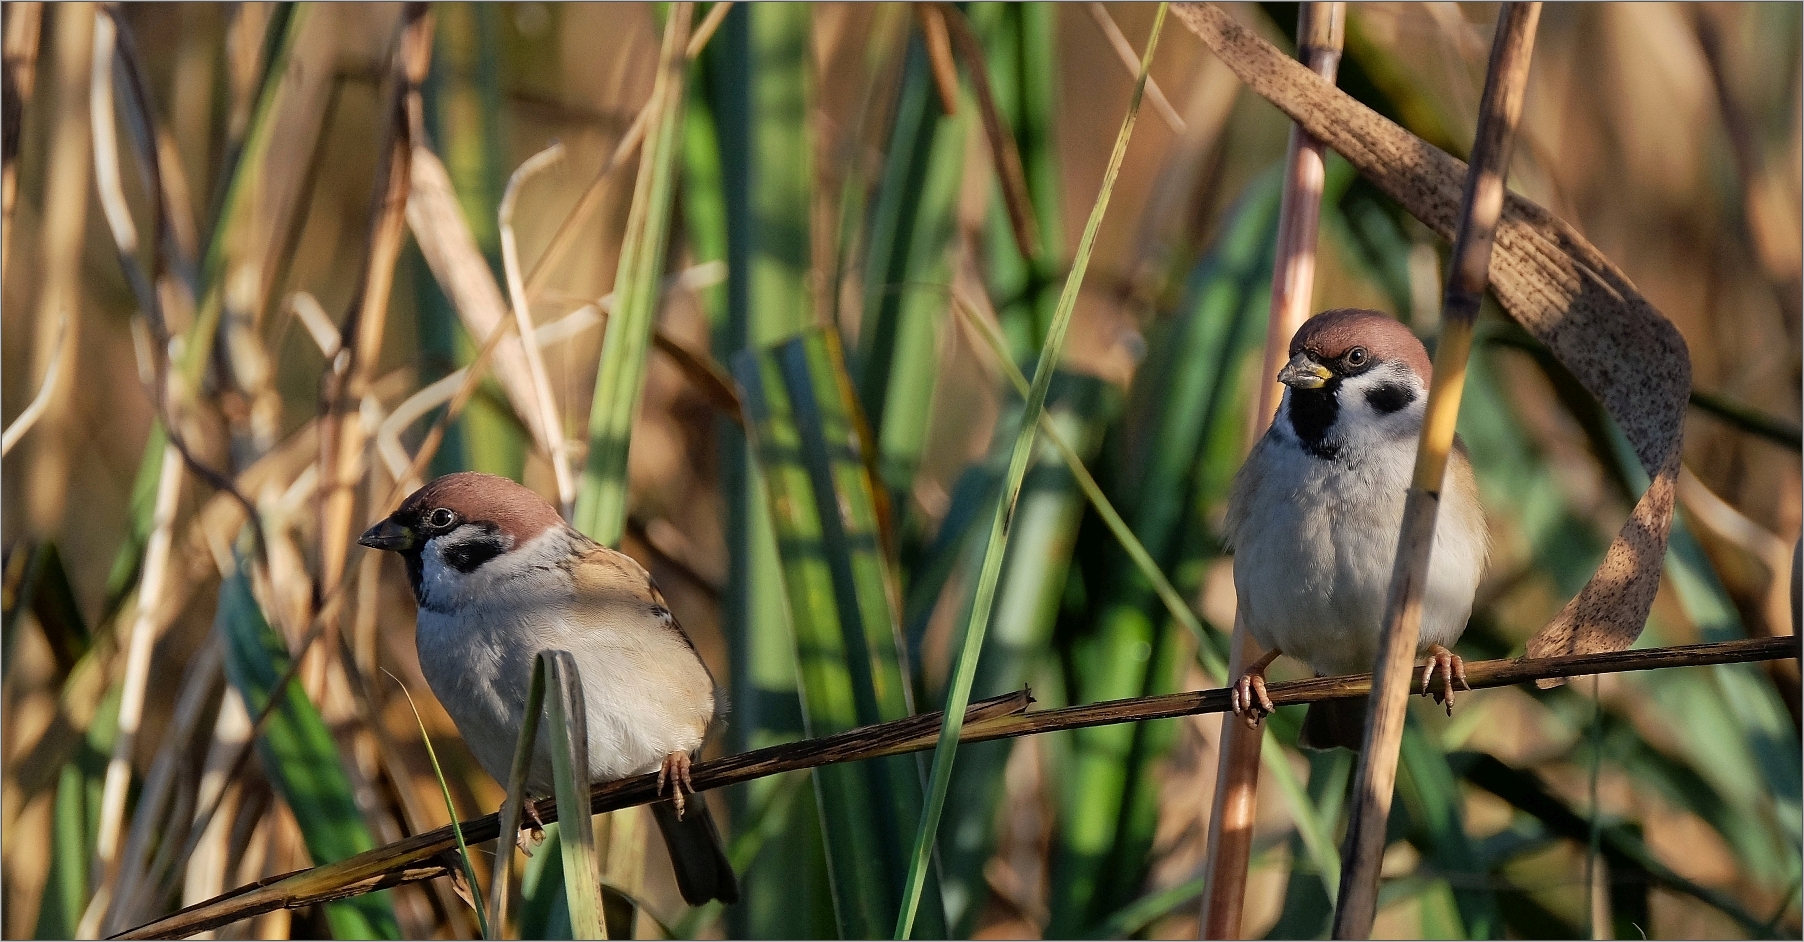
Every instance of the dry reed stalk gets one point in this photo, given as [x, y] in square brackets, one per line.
[590, 201]
[934, 36]
[206, 867]
[349, 373]
[40, 402]
[444, 237]
[1321, 31]
[140, 640]
[159, 820]
[1499, 111]
[1010, 175]
[1131, 60]
[556, 447]
[424, 856]
[19, 63]
[63, 231]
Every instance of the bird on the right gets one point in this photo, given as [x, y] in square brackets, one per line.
[1317, 508]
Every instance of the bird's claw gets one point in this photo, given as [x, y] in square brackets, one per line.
[1249, 699]
[533, 836]
[676, 770]
[1451, 670]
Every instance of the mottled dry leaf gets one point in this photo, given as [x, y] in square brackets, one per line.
[1553, 282]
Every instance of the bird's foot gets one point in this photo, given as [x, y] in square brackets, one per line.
[676, 770]
[1451, 670]
[533, 836]
[1249, 698]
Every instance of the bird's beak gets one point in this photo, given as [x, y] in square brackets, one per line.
[388, 535]
[1303, 373]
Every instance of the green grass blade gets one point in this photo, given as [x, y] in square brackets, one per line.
[746, 202]
[965, 671]
[544, 910]
[463, 850]
[1314, 826]
[1429, 793]
[299, 755]
[907, 271]
[75, 824]
[568, 725]
[842, 610]
[601, 499]
[516, 796]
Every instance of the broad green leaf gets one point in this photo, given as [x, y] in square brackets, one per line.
[843, 612]
[620, 381]
[299, 755]
[746, 201]
[907, 272]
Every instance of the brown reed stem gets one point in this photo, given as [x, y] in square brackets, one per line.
[19, 62]
[432, 854]
[1481, 208]
[1010, 176]
[1321, 30]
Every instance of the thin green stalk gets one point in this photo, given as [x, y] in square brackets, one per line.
[960, 694]
[463, 849]
[1314, 830]
[601, 503]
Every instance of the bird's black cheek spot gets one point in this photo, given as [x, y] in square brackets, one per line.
[467, 554]
[1389, 397]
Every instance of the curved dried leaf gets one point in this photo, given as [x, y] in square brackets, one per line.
[1553, 282]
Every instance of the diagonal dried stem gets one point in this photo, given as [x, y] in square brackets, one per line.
[1130, 61]
[535, 364]
[424, 856]
[1376, 778]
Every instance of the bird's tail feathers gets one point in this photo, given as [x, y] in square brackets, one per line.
[696, 853]
[1335, 723]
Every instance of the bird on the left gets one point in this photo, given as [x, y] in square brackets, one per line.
[499, 576]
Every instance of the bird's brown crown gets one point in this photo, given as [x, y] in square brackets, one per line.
[472, 495]
[1329, 335]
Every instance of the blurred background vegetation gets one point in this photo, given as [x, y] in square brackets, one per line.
[829, 196]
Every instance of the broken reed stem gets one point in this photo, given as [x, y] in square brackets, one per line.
[1482, 206]
[429, 855]
[1321, 30]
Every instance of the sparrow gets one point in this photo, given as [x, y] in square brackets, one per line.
[499, 576]
[1316, 511]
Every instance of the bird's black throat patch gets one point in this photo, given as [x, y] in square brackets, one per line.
[1389, 397]
[1312, 413]
[466, 552]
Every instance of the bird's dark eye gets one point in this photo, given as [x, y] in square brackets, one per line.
[441, 519]
[1356, 357]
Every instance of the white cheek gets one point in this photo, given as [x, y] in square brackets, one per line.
[496, 582]
[1360, 419]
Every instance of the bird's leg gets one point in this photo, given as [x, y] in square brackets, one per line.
[1451, 669]
[535, 835]
[1251, 685]
[676, 770]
